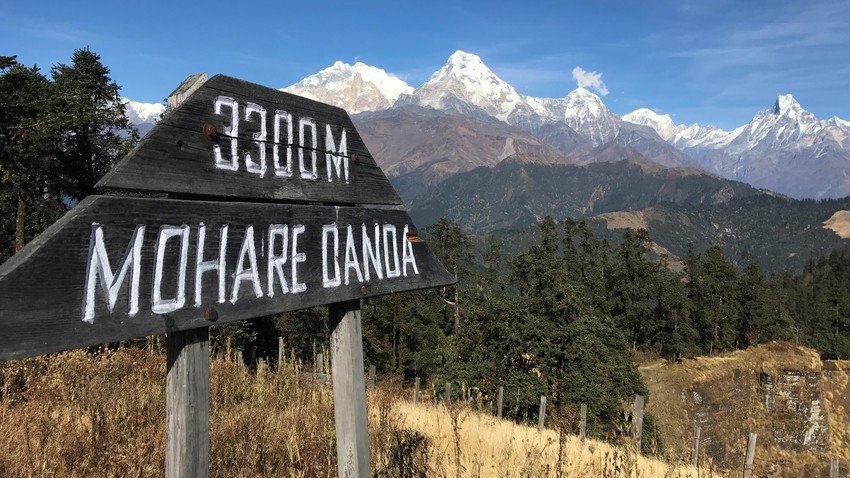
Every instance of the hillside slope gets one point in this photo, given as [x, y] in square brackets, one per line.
[779, 391]
[779, 233]
[517, 192]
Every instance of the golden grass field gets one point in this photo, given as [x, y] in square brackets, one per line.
[103, 415]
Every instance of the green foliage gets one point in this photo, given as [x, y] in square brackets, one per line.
[57, 138]
[94, 129]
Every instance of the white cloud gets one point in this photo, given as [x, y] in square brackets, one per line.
[590, 79]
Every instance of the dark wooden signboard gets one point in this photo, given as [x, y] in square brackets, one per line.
[265, 214]
[118, 268]
[235, 139]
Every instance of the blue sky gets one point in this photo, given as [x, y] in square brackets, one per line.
[715, 62]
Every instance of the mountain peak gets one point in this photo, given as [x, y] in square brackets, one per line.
[466, 80]
[662, 124]
[460, 56]
[582, 92]
[355, 88]
[786, 103]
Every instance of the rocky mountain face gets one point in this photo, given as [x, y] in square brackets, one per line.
[433, 145]
[792, 400]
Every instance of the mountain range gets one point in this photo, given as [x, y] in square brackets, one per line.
[784, 148]
[468, 146]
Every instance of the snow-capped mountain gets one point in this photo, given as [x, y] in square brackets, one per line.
[786, 126]
[680, 135]
[143, 115]
[465, 84]
[785, 147]
[585, 112]
[355, 88]
[662, 124]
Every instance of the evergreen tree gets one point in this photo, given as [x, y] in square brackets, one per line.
[27, 153]
[634, 285]
[453, 248]
[762, 316]
[713, 290]
[95, 131]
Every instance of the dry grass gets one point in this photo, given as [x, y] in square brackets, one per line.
[723, 394]
[839, 223]
[493, 447]
[84, 415]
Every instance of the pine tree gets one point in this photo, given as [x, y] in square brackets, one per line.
[95, 131]
[27, 152]
[633, 285]
[453, 248]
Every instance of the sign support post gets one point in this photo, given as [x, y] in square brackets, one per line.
[352, 432]
[187, 398]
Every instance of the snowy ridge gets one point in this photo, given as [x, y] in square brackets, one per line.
[139, 112]
[355, 88]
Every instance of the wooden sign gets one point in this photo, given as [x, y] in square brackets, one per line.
[266, 216]
[234, 139]
[116, 268]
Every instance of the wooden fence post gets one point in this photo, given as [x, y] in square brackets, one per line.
[637, 422]
[751, 456]
[500, 402]
[582, 424]
[240, 361]
[447, 393]
[833, 467]
[280, 352]
[416, 392]
[695, 451]
[350, 419]
[370, 384]
[319, 368]
[541, 415]
[187, 404]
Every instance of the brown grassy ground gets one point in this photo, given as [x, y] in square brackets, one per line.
[727, 387]
[86, 415]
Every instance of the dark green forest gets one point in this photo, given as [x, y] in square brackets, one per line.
[565, 315]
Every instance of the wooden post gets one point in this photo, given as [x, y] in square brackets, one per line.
[695, 451]
[447, 393]
[350, 419]
[582, 424]
[370, 384]
[416, 393]
[751, 456]
[637, 422]
[319, 368]
[240, 362]
[500, 402]
[280, 353]
[187, 404]
[541, 415]
[833, 467]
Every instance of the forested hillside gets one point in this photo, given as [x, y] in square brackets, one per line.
[519, 191]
